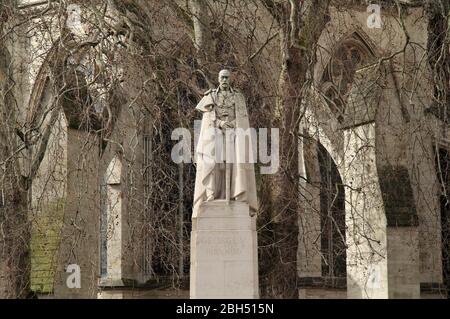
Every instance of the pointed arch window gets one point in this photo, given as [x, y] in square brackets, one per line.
[350, 56]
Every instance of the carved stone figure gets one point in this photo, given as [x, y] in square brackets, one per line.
[225, 170]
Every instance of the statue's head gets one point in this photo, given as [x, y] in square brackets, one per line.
[224, 79]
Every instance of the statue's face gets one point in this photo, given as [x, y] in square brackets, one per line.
[224, 80]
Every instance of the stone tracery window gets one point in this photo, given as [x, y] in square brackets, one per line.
[352, 55]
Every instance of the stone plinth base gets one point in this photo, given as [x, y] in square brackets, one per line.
[224, 252]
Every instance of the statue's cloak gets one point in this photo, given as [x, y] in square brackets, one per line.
[243, 182]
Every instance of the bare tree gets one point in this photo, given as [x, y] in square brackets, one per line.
[300, 25]
[14, 226]
[137, 65]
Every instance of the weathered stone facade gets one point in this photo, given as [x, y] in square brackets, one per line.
[369, 112]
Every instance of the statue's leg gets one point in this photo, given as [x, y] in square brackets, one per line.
[220, 181]
[210, 186]
[215, 183]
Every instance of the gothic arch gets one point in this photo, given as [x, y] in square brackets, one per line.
[349, 56]
[82, 110]
[337, 124]
[331, 90]
[350, 85]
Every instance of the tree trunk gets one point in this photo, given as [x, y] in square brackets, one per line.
[439, 55]
[300, 29]
[439, 59]
[202, 32]
[14, 225]
[14, 238]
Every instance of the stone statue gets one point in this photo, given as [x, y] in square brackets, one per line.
[220, 174]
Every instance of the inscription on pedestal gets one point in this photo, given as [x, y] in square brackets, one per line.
[231, 245]
[221, 244]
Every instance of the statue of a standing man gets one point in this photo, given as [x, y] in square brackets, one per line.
[224, 114]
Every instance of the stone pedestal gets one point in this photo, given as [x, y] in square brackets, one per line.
[224, 252]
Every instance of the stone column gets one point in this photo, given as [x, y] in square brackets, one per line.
[381, 218]
[80, 234]
[382, 232]
[309, 258]
[224, 252]
[114, 222]
[365, 217]
[127, 233]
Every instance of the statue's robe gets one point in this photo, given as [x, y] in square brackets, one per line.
[243, 184]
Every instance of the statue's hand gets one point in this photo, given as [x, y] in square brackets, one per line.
[229, 125]
[225, 125]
